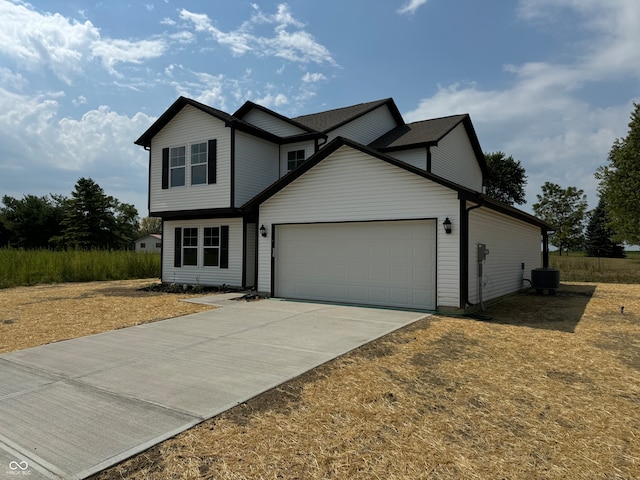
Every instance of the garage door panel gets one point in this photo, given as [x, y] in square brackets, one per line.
[378, 263]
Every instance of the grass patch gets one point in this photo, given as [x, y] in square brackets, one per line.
[31, 267]
[578, 268]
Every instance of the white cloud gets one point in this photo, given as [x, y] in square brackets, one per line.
[101, 139]
[411, 7]
[541, 118]
[11, 79]
[45, 41]
[114, 51]
[81, 100]
[98, 145]
[271, 100]
[296, 46]
[313, 77]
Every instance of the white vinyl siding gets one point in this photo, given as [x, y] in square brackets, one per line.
[191, 126]
[352, 186]
[455, 160]
[256, 166]
[308, 147]
[416, 157]
[367, 128]
[271, 123]
[199, 274]
[511, 243]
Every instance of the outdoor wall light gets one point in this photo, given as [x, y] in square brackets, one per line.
[263, 231]
[447, 226]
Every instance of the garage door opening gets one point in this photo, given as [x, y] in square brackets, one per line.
[382, 263]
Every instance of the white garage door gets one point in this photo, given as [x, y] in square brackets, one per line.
[372, 263]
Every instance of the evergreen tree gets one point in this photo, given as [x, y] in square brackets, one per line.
[96, 220]
[620, 181]
[599, 241]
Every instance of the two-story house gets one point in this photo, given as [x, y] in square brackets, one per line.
[348, 205]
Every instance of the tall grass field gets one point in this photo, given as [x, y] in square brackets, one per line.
[30, 267]
[575, 267]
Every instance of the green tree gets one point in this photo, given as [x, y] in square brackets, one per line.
[96, 220]
[506, 179]
[150, 225]
[599, 241]
[32, 221]
[564, 209]
[127, 224]
[620, 181]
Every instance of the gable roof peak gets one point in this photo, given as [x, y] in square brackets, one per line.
[331, 119]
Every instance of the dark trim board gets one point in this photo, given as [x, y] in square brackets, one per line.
[232, 179]
[196, 214]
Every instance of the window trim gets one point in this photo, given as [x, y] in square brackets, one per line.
[204, 162]
[180, 247]
[190, 246]
[182, 167]
[208, 160]
[206, 247]
[297, 161]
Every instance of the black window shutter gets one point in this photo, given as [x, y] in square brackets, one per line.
[165, 168]
[177, 252]
[211, 161]
[224, 246]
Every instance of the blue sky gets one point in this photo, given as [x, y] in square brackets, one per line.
[551, 82]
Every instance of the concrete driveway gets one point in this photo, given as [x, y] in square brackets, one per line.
[72, 408]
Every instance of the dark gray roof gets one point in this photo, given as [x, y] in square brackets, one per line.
[331, 119]
[417, 133]
[181, 102]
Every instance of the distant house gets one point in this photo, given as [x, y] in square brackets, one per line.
[350, 205]
[149, 243]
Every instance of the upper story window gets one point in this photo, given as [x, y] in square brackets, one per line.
[188, 165]
[199, 163]
[177, 162]
[294, 159]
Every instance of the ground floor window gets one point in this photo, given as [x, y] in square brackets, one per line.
[202, 247]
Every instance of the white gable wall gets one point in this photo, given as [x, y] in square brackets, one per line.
[256, 166]
[367, 128]
[352, 186]
[308, 147]
[190, 126]
[511, 242]
[416, 157]
[455, 160]
[271, 123]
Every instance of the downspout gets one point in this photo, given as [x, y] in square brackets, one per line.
[545, 248]
[464, 246]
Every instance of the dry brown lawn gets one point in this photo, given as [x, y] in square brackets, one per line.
[548, 389]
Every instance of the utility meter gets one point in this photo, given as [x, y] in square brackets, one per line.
[483, 251]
